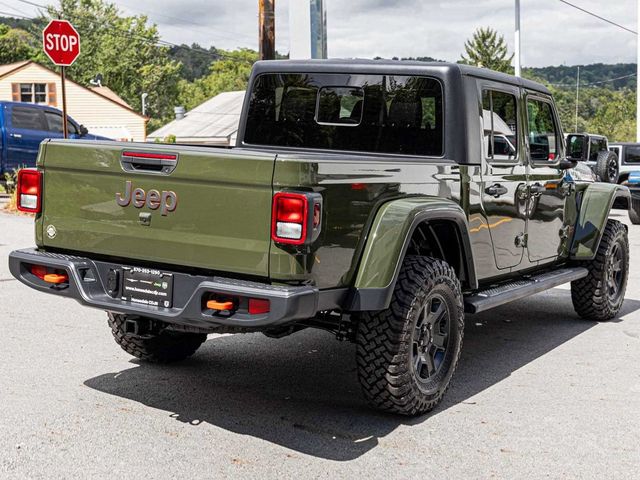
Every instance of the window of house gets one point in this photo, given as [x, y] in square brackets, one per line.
[543, 132]
[500, 119]
[33, 92]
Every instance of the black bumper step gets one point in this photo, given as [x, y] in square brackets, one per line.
[514, 290]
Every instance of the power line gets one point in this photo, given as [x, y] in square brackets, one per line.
[14, 8]
[190, 22]
[158, 42]
[593, 83]
[599, 17]
[33, 4]
[15, 15]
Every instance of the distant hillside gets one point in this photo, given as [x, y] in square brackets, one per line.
[196, 64]
[595, 73]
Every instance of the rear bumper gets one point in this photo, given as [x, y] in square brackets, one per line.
[87, 285]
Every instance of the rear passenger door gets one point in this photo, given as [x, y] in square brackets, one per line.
[547, 192]
[504, 178]
[27, 128]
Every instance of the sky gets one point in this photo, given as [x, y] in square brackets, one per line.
[552, 32]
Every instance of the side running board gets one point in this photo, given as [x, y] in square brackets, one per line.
[514, 290]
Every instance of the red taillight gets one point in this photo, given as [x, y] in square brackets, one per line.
[39, 271]
[29, 190]
[49, 275]
[258, 305]
[290, 212]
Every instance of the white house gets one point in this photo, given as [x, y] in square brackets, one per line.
[99, 109]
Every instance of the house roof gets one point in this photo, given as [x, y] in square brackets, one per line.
[12, 67]
[216, 118]
[110, 94]
[107, 93]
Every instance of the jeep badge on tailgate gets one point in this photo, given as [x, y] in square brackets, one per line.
[167, 201]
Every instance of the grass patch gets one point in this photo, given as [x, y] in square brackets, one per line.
[12, 205]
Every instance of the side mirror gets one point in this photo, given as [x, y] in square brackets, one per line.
[577, 147]
[567, 164]
[83, 130]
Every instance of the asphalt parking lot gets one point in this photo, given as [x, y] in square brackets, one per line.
[539, 393]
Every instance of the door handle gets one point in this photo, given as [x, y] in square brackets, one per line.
[149, 162]
[15, 135]
[496, 190]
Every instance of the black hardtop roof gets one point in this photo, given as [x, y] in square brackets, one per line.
[399, 67]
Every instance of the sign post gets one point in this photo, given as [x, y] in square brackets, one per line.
[61, 43]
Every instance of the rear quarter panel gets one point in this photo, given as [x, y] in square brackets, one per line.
[354, 188]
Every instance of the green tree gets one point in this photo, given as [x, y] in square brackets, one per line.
[487, 49]
[125, 50]
[229, 73]
[615, 116]
[15, 45]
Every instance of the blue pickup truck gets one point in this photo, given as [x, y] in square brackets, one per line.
[24, 125]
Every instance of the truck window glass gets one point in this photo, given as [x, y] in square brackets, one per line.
[27, 118]
[543, 134]
[337, 106]
[54, 123]
[377, 113]
[597, 145]
[575, 146]
[499, 117]
[632, 155]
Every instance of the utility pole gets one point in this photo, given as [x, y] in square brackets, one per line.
[638, 76]
[307, 29]
[267, 29]
[578, 97]
[517, 39]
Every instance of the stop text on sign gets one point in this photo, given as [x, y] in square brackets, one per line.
[61, 42]
[56, 41]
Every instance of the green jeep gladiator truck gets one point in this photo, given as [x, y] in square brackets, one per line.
[380, 201]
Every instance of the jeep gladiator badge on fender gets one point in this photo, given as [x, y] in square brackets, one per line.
[380, 201]
[167, 201]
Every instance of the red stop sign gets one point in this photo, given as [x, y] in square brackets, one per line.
[61, 42]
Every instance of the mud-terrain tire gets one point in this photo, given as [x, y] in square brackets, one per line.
[407, 354]
[164, 347]
[634, 211]
[599, 295]
[607, 168]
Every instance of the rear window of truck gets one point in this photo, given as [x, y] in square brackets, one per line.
[368, 113]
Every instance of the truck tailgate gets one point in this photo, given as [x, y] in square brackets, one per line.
[220, 220]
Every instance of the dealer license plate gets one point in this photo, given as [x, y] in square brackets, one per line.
[147, 286]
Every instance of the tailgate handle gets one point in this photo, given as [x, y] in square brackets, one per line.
[149, 162]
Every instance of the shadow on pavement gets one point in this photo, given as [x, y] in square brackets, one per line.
[301, 392]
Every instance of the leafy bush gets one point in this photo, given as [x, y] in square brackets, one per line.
[11, 179]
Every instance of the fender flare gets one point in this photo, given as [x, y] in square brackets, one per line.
[596, 203]
[387, 243]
